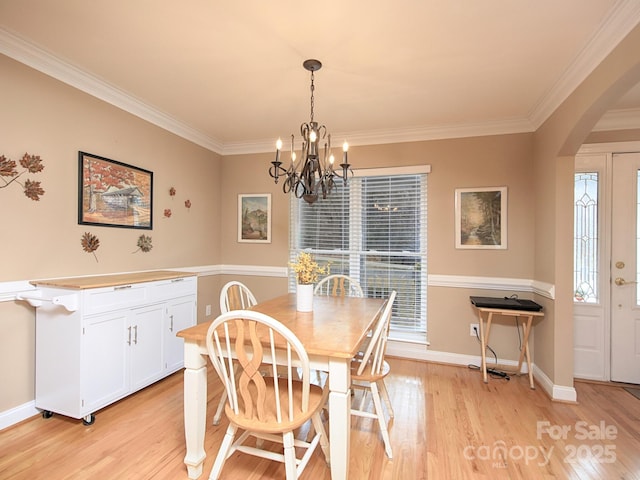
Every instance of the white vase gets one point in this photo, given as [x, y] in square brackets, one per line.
[304, 298]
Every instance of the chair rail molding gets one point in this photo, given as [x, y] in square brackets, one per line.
[493, 283]
[10, 289]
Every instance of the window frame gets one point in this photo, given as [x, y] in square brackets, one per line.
[356, 240]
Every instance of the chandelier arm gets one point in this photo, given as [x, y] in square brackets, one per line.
[276, 170]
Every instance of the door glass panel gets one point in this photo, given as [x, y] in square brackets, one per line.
[585, 250]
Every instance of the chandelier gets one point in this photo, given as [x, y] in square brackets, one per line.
[310, 176]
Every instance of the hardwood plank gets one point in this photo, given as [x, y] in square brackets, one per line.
[448, 425]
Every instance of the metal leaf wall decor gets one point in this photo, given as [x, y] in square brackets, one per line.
[10, 174]
[144, 244]
[90, 243]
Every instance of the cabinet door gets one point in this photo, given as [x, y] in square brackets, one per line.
[181, 314]
[105, 360]
[146, 345]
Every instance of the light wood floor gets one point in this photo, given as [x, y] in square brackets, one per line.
[448, 425]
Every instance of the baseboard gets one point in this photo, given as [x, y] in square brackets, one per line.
[557, 393]
[416, 351]
[408, 350]
[18, 414]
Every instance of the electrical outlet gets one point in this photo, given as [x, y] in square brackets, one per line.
[207, 311]
[474, 329]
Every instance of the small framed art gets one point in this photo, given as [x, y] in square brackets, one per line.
[254, 218]
[481, 218]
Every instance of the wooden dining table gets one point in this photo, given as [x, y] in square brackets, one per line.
[331, 334]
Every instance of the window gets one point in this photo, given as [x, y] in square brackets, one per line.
[585, 250]
[375, 231]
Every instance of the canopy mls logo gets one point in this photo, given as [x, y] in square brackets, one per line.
[597, 440]
[500, 454]
[580, 442]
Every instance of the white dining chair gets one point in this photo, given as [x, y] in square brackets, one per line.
[269, 407]
[234, 295]
[368, 371]
[338, 285]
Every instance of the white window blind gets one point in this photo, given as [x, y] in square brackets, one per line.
[375, 231]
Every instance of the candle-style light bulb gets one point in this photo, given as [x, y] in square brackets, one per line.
[331, 159]
[345, 149]
[278, 148]
[313, 136]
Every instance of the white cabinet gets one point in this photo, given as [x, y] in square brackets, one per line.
[104, 364]
[145, 339]
[121, 338]
[180, 311]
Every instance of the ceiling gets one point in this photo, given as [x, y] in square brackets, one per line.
[228, 75]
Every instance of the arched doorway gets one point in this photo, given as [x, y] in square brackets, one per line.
[556, 143]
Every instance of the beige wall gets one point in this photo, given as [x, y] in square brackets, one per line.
[469, 162]
[42, 239]
[504, 160]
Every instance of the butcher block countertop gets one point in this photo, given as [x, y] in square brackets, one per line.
[99, 281]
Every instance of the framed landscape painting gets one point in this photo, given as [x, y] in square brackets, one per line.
[481, 218]
[113, 194]
[254, 218]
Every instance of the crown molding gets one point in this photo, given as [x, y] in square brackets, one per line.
[609, 147]
[405, 135]
[35, 57]
[622, 18]
[624, 119]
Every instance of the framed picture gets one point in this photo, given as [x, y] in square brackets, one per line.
[113, 194]
[481, 218]
[254, 218]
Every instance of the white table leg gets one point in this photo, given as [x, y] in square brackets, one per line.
[195, 408]
[339, 417]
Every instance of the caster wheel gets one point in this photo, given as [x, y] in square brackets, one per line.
[89, 420]
[47, 414]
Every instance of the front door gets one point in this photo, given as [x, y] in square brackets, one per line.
[625, 291]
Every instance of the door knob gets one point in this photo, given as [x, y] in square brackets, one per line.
[621, 281]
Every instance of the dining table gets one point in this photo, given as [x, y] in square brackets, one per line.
[331, 334]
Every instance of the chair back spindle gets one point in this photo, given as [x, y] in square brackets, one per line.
[338, 285]
[236, 296]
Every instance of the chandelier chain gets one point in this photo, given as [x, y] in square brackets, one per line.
[312, 96]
